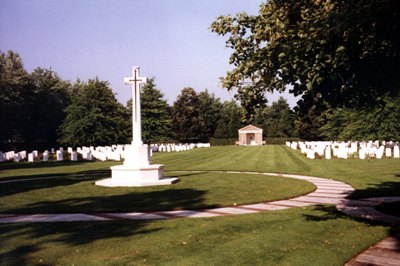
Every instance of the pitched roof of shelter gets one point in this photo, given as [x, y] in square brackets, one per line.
[250, 128]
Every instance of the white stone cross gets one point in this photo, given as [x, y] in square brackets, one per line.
[136, 80]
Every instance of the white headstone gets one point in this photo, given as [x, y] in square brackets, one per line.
[17, 157]
[74, 156]
[22, 155]
[59, 155]
[45, 156]
[30, 157]
[328, 154]
[379, 152]
[310, 154]
[388, 152]
[396, 152]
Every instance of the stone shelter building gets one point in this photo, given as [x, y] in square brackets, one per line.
[250, 136]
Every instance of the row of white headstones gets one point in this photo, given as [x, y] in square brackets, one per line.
[344, 150]
[112, 153]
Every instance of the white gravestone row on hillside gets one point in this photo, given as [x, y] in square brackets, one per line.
[101, 153]
[344, 150]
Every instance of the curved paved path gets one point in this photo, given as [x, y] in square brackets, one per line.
[328, 192]
[386, 252]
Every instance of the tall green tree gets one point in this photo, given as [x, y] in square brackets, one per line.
[344, 53]
[156, 114]
[308, 123]
[229, 122]
[31, 105]
[48, 102]
[14, 85]
[279, 120]
[185, 116]
[381, 122]
[209, 114]
[94, 117]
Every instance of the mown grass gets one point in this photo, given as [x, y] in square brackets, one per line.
[302, 236]
[317, 235]
[370, 177]
[76, 192]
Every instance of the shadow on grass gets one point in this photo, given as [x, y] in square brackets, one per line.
[88, 198]
[384, 189]
[331, 213]
[125, 201]
[69, 235]
[49, 181]
[26, 165]
[26, 244]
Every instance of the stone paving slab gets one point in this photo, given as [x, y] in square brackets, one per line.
[332, 183]
[291, 203]
[327, 195]
[234, 211]
[328, 190]
[376, 258]
[137, 216]
[203, 214]
[188, 214]
[390, 242]
[35, 218]
[319, 200]
[265, 207]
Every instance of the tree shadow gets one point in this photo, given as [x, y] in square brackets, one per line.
[21, 243]
[161, 199]
[331, 213]
[26, 165]
[49, 181]
[71, 235]
[384, 189]
[19, 255]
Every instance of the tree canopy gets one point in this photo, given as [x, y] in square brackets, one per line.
[229, 121]
[277, 120]
[156, 114]
[344, 53]
[31, 105]
[94, 116]
[209, 114]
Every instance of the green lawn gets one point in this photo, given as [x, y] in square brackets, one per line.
[76, 192]
[317, 235]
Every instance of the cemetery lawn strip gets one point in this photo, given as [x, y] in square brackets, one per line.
[76, 193]
[317, 235]
[370, 178]
[24, 170]
[286, 237]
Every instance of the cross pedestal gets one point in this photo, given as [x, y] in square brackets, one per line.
[137, 170]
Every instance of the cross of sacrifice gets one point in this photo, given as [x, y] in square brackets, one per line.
[136, 80]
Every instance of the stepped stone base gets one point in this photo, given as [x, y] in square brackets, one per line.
[136, 176]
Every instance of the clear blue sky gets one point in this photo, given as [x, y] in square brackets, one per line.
[168, 39]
